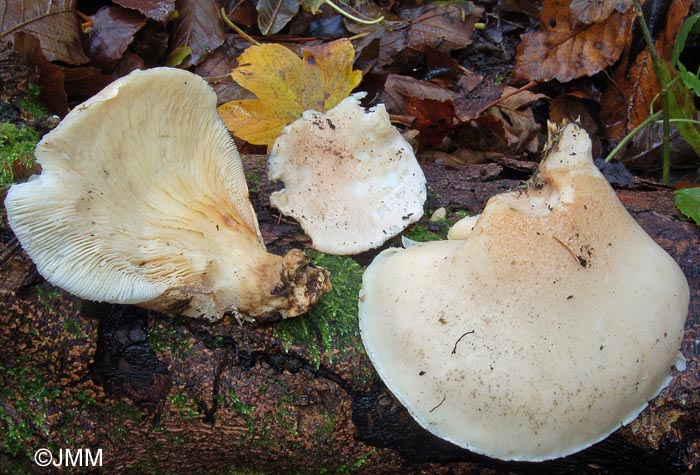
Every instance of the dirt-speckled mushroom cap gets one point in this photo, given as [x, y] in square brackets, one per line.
[545, 329]
[351, 180]
[143, 200]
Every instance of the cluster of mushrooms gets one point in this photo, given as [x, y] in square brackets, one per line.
[538, 328]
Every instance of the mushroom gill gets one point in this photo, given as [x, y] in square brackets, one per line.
[143, 200]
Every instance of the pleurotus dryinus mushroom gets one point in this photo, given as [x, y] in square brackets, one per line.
[350, 178]
[143, 200]
[539, 332]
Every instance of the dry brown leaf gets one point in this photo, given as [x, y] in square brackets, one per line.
[53, 22]
[564, 52]
[596, 11]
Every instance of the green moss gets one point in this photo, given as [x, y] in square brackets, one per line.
[253, 180]
[422, 233]
[30, 401]
[75, 328]
[186, 408]
[238, 406]
[16, 146]
[31, 104]
[325, 428]
[332, 324]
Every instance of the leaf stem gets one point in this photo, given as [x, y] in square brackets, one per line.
[631, 135]
[235, 28]
[352, 17]
[664, 81]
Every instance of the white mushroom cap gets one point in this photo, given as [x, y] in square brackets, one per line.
[543, 331]
[143, 200]
[351, 180]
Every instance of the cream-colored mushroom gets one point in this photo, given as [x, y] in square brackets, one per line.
[142, 200]
[350, 178]
[542, 331]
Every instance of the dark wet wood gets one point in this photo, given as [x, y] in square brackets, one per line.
[167, 395]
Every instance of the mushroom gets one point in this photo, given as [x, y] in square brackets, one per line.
[540, 332]
[351, 180]
[143, 200]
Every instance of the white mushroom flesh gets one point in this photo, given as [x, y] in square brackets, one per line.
[143, 200]
[541, 331]
[350, 178]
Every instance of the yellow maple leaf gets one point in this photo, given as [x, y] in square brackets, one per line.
[286, 85]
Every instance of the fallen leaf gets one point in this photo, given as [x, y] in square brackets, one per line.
[199, 27]
[403, 41]
[216, 69]
[596, 11]
[434, 119]
[273, 15]
[634, 87]
[397, 88]
[51, 77]
[113, 31]
[84, 82]
[286, 85]
[563, 51]
[157, 10]
[53, 22]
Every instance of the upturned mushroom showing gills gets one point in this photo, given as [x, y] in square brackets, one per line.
[548, 326]
[143, 200]
[351, 180]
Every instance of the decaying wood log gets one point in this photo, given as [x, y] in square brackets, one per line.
[161, 394]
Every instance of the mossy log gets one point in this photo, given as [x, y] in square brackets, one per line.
[162, 394]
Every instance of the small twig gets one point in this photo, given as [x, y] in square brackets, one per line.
[352, 17]
[454, 350]
[235, 28]
[444, 396]
[527, 86]
[88, 24]
[577, 258]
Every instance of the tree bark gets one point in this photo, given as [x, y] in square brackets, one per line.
[162, 394]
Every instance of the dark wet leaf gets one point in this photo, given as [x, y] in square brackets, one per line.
[404, 40]
[157, 10]
[615, 172]
[216, 69]
[199, 27]
[434, 119]
[273, 15]
[84, 82]
[398, 88]
[113, 31]
[53, 22]
[328, 28]
[51, 78]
